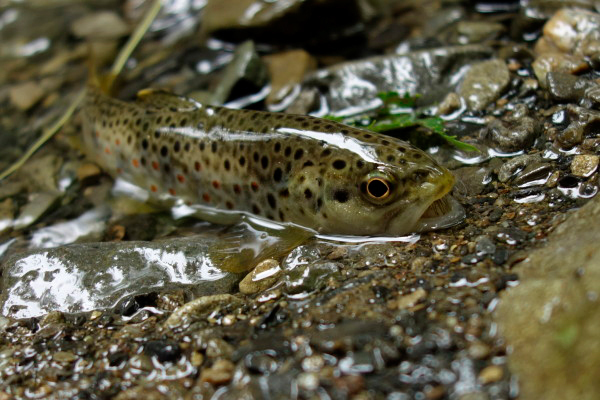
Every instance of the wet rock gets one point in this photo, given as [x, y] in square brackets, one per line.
[85, 277]
[566, 87]
[536, 173]
[305, 278]
[484, 83]
[408, 300]
[262, 277]
[89, 226]
[514, 165]
[584, 165]
[38, 205]
[472, 180]
[26, 95]
[283, 23]
[575, 31]
[514, 132]
[287, 70]
[7, 214]
[551, 318]
[163, 350]
[581, 124]
[490, 374]
[557, 62]
[100, 25]
[221, 372]
[244, 75]
[354, 85]
[186, 314]
[477, 31]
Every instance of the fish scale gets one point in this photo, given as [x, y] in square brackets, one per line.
[287, 168]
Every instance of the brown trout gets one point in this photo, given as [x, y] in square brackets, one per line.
[304, 170]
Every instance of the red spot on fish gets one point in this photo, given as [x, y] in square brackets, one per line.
[254, 186]
[197, 166]
[172, 192]
[117, 142]
[237, 189]
[135, 162]
[153, 188]
[206, 197]
[155, 165]
[180, 178]
[119, 171]
[216, 184]
[107, 150]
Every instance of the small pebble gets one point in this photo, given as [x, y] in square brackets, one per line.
[262, 277]
[26, 95]
[584, 165]
[220, 373]
[491, 374]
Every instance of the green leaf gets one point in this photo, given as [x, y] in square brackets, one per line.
[393, 114]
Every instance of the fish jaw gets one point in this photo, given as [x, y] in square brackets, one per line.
[434, 209]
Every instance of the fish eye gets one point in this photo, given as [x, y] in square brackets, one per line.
[378, 188]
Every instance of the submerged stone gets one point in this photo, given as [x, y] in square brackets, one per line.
[352, 87]
[96, 276]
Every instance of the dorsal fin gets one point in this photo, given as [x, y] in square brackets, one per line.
[160, 99]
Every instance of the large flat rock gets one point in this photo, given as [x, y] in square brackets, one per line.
[552, 319]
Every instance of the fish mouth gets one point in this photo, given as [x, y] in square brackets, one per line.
[441, 213]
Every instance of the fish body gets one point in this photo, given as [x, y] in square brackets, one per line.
[305, 170]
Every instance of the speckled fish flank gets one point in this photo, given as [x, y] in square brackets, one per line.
[288, 168]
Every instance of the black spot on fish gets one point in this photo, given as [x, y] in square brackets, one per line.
[255, 156]
[164, 151]
[391, 158]
[229, 118]
[385, 142]
[157, 134]
[168, 120]
[255, 209]
[138, 122]
[226, 165]
[187, 146]
[176, 146]
[144, 143]
[277, 147]
[183, 122]
[339, 164]
[360, 164]
[326, 153]
[319, 203]
[308, 164]
[281, 216]
[159, 119]
[242, 160]
[341, 195]
[345, 131]
[173, 109]
[143, 160]
[167, 168]
[264, 162]
[417, 156]
[129, 139]
[298, 154]
[308, 194]
[367, 135]
[284, 193]
[277, 174]
[202, 146]
[271, 200]
[287, 151]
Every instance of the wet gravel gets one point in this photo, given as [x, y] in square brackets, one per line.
[398, 320]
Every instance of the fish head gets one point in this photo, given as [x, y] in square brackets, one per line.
[394, 193]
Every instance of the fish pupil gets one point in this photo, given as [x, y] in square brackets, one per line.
[377, 188]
